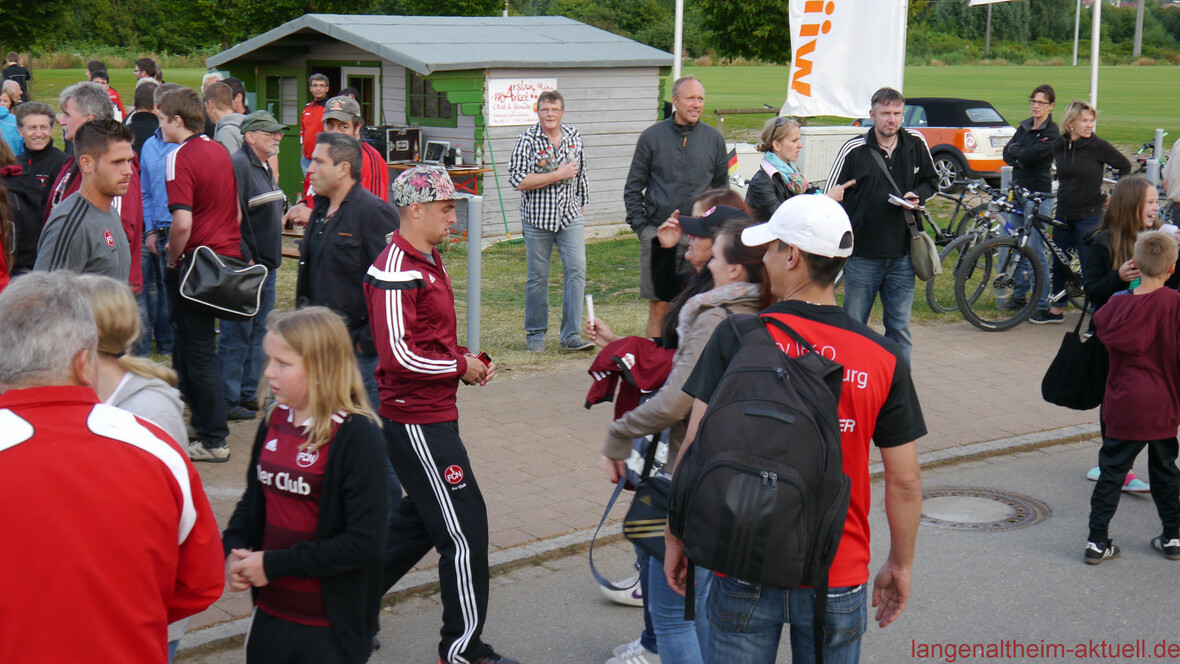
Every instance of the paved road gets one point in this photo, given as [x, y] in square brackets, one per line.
[1027, 585]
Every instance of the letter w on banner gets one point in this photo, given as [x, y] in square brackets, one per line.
[845, 50]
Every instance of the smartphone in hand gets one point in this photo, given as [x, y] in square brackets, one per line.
[901, 202]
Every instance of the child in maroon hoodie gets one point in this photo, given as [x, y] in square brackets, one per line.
[1141, 331]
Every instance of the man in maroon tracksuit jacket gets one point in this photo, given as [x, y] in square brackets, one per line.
[420, 363]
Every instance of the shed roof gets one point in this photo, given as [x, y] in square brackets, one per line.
[428, 44]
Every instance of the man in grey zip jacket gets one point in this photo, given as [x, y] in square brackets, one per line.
[674, 160]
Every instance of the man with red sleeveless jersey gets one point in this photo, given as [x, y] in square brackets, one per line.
[808, 239]
[203, 199]
[119, 536]
[420, 363]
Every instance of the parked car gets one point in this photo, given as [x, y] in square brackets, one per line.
[966, 136]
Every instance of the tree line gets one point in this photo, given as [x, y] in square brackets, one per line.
[750, 29]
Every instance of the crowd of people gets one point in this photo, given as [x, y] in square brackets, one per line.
[358, 469]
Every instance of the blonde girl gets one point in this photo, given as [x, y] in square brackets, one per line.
[308, 534]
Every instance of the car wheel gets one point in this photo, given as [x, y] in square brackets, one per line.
[949, 168]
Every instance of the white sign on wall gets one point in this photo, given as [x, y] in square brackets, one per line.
[512, 101]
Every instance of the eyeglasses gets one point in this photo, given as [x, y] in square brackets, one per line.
[1038, 102]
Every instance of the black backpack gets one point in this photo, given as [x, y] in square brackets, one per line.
[761, 495]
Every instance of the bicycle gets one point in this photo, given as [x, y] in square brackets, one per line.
[976, 225]
[989, 274]
[1141, 159]
[965, 216]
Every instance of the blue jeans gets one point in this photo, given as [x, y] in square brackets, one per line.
[1067, 239]
[648, 637]
[154, 300]
[240, 353]
[368, 367]
[746, 623]
[893, 279]
[571, 247]
[1024, 271]
[681, 641]
[305, 164]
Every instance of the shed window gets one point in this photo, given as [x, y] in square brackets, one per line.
[426, 106]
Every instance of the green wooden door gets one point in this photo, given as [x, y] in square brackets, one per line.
[281, 91]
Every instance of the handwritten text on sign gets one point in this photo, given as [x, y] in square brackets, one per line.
[512, 101]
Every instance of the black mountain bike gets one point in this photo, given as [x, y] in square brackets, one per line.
[990, 273]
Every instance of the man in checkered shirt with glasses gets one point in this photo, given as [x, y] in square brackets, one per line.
[547, 169]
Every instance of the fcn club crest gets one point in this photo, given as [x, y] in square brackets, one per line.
[453, 474]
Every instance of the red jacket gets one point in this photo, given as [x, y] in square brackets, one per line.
[310, 124]
[1142, 336]
[412, 316]
[106, 523]
[129, 205]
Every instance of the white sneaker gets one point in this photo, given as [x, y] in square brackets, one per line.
[633, 653]
[630, 595]
[198, 452]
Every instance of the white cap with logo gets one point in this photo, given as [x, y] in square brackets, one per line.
[815, 224]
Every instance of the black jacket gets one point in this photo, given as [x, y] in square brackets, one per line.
[44, 165]
[1080, 165]
[879, 228]
[1101, 277]
[262, 204]
[336, 253]
[143, 124]
[766, 192]
[347, 552]
[672, 163]
[1030, 154]
[25, 201]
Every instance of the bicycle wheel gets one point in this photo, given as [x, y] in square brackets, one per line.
[986, 279]
[940, 291]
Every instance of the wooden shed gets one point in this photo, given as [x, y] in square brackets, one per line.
[465, 80]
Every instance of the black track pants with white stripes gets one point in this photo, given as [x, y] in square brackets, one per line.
[444, 509]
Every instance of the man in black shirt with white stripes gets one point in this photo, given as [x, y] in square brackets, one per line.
[547, 169]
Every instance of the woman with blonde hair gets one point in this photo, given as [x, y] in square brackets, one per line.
[777, 178]
[308, 534]
[1082, 158]
[135, 384]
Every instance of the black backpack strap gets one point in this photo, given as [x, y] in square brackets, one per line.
[690, 593]
[789, 331]
[610, 503]
[649, 458]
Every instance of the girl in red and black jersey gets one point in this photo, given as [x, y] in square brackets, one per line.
[308, 534]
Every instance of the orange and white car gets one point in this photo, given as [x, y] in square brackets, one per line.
[966, 136]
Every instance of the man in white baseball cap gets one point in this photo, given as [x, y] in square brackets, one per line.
[808, 240]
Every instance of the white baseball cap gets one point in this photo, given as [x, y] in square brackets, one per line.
[813, 223]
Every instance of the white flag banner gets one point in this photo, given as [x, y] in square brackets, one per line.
[985, 2]
[844, 51]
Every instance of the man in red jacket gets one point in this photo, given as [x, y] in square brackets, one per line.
[311, 122]
[420, 363]
[120, 534]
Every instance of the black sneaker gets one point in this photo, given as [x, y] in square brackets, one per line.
[1046, 318]
[490, 656]
[1170, 548]
[1014, 304]
[1096, 552]
[238, 414]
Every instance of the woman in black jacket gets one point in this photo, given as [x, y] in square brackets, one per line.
[308, 534]
[777, 178]
[1081, 158]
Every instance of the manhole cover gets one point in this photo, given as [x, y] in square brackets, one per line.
[970, 508]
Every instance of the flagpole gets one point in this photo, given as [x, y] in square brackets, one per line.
[678, 40]
[1095, 35]
[1077, 28]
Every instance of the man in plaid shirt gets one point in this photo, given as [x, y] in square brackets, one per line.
[546, 168]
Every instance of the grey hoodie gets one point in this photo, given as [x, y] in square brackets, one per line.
[228, 132]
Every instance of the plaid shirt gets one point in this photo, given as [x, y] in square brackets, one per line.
[553, 207]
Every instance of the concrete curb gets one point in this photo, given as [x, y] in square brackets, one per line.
[225, 634]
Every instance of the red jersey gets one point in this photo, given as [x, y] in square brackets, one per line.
[374, 175]
[199, 177]
[114, 96]
[116, 527]
[129, 206]
[310, 124]
[292, 481]
[412, 316]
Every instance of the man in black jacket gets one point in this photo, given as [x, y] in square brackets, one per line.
[240, 351]
[674, 160]
[348, 229]
[40, 159]
[880, 262]
[1030, 154]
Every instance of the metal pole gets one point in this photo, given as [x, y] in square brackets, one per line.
[1095, 38]
[678, 40]
[1138, 48]
[474, 269]
[1159, 144]
[987, 45]
[1077, 28]
[1153, 170]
